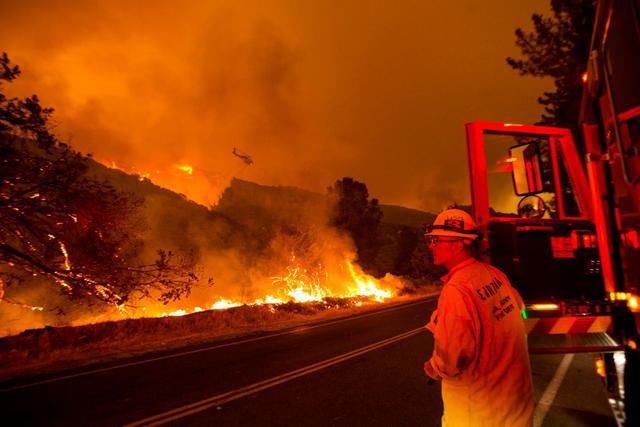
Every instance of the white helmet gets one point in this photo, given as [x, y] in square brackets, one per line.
[454, 223]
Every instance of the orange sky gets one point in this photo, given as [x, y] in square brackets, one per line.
[313, 90]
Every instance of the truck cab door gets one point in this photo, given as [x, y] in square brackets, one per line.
[530, 199]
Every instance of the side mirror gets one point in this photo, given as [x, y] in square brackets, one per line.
[531, 207]
[526, 175]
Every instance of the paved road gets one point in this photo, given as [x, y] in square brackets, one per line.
[364, 370]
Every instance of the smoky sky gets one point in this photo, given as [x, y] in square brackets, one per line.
[311, 90]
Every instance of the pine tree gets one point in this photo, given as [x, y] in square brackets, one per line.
[558, 47]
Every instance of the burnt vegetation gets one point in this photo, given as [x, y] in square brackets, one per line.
[78, 233]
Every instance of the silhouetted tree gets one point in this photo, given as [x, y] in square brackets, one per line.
[558, 47]
[359, 216]
[57, 223]
[422, 261]
[408, 238]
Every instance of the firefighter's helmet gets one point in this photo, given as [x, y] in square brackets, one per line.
[454, 223]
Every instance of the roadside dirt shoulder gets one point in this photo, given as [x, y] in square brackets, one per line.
[52, 349]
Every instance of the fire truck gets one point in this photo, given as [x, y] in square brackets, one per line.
[561, 216]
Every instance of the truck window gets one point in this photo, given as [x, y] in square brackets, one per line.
[503, 201]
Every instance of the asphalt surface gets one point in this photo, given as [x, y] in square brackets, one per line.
[363, 370]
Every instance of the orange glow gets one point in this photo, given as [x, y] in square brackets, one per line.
[367, 286]
[632, 344]
[204, 187]
[542, 307]
[633, 301]
[511, 160]
[175, 313]
[186, 168]
[222, 304]
[600, 368]
[300, 285]
[63, 249]
[619, 296]
[19, 304]
[64, 284]
[585, 77]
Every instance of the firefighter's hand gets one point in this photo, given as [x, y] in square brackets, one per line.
[430, 372]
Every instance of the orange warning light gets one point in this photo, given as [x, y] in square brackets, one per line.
[600, 367]
[544, 307]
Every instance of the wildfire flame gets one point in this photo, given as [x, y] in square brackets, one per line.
[302, 285]
[133, 171]
[27, 306]
[297, 283]
[63, 249]
[186, 168]
[367, 286]
[223, 304]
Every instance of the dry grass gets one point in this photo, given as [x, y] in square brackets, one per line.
[53, 349]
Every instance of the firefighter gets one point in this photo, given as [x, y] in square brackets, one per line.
[480, 352]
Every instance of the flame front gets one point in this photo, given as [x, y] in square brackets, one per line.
[186, 168]
[367, 286]
[222, 304]
[302, 285]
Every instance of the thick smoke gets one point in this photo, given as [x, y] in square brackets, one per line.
[259, 242]
[312, 92]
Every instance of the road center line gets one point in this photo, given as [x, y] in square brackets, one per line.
[552, 389]
[222, 398]
[214, 347]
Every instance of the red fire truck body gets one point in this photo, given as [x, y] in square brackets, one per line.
[561, 216]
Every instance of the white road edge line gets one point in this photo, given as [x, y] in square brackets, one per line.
[219, 399]
[552, 389]
[185, 353]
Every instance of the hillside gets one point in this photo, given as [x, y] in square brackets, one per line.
[243, 202]
[255, 234]
[249, 216]
[400, 215]
[173, 221]
[242, 199]
[261, 207]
